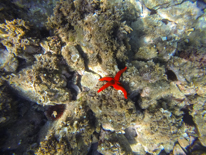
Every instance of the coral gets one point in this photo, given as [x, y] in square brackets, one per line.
[17, 36]
[14, 37]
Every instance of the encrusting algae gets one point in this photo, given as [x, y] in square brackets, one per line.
[96, 28]
[60, 101]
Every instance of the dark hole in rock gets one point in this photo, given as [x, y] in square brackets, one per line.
[22, 131]
[44, 33]
[165, 21]
[55, 112]
[91, 117]
[84, 56]
[153, 12]
[196, 147]
[99, 58]
[78, 137]
[187, 118]
[74, 89]
[163, 152]
[3, 136]
[137, 99]
[171, 75]
[22, 64]
[120, 64]
[93, 149]
[201, 4]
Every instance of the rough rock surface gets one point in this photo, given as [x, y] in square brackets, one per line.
[55, 71]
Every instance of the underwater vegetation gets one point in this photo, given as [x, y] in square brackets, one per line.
[53, 98]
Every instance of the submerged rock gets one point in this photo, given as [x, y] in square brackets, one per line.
[73, 58]
[155, 4]
[199, 117]
[89, 80]
[78, 130]
[153, 125]
[8, 62]
[188, 14]
[146, 53]
[165, 79]
[42, 82]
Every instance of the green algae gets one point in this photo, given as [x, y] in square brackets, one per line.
[95, 26]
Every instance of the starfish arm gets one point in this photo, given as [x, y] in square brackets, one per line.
[117, 87]
[110, 83]
[119, 74]
[106, 79]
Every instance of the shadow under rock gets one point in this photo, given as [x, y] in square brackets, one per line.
[18, 136]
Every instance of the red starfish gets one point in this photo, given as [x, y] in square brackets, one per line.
[114, 82]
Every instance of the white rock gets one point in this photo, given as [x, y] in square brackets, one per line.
[89, 80]
[107, 126]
